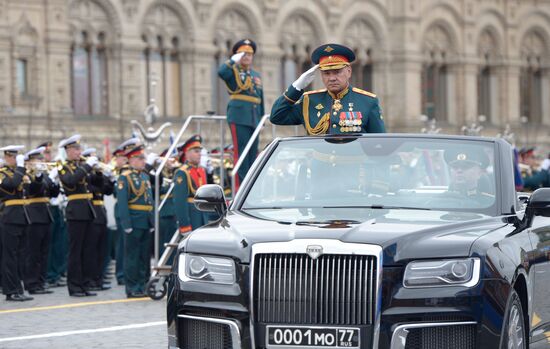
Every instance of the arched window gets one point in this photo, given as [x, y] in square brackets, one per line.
[298, 39]
[90, 55]
[162, 37]
[362, 71]
[533, 51]
[435, 73]
[487, 88]
[231, 27]
[89, 74]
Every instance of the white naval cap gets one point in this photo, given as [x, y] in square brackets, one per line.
[89, 151]
[14, 149]
[34, 152]
[129, 143]
[70, 141]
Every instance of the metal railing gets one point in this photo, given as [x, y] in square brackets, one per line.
[246, 150]
[221, 119]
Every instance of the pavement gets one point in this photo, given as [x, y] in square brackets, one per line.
[108, 320]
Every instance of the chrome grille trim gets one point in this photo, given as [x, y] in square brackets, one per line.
[399, 336]
[370, 291]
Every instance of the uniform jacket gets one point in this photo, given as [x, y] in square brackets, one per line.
[321, 112]
[539, 179]
[135, 200]
[39, 192]
[187, 180]
[246, 104]
[12, 188]
[118, 172]
[99, 185]
[74, 179]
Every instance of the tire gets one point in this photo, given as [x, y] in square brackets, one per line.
[513, 332]
[156, 288]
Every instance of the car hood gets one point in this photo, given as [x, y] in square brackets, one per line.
[403, 234]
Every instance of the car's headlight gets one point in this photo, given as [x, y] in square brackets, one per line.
[206, 268]
[446, 272]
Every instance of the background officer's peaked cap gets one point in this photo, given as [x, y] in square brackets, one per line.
[472, 155]
[35, 153]
[12, 149]
[193, 142]
[70, 141]
[244, 45]
[332, 56]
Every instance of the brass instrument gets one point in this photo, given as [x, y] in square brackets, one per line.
[103, 167]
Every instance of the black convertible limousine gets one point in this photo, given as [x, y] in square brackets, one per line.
[388, 241]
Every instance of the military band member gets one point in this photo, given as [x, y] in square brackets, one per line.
[246, 104]
[187, 179]
[39, 191]
[99, 184]
[121, 165]
[339, 108]
[168, 222]
[80, 215]
[135, 205]
[14, 221]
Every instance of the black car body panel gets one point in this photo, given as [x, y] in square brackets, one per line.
[513, 254]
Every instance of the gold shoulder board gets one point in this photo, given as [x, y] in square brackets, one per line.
[363, 92]
[315, 91]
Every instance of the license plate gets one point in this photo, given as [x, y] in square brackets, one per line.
[318, 337]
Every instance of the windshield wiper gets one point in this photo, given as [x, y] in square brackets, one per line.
[382, 207]
[329, 221]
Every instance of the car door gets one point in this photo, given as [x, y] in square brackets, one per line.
[540, 262]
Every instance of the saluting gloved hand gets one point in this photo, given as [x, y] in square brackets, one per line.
[53, 174]
[128, 231]
[91, 161]
[20, 160]
[306, 78]
[151, 158]
[237, 57]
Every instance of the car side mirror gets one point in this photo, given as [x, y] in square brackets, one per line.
[539, 203]
[210, 198]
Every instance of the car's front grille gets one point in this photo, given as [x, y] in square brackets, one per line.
[198, 334]
[330, 290]
[448, 337]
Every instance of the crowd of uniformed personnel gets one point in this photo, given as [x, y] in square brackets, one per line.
[53, 219]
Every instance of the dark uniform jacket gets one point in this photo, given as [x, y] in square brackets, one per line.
[246, 98]
[187, 180]
[12, 194]
[99, 185]
[39, 192]
[74, 178]
[321, 112]
[135, 200]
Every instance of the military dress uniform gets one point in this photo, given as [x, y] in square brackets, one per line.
[168, 223]
[352, 110]
[14, 220]
[74, 177]
[39, 192]
[187, 179]
[135, 206]
[246, 104]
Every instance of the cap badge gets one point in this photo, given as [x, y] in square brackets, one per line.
[247, 42]
[314, 251]
[461, 157]
[328, 49]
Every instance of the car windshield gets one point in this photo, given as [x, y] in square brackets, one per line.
[377, 173]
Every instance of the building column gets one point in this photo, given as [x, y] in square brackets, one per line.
[203, 60]
[469, 92]
[545, 93]
[512, 94]
[405, 108]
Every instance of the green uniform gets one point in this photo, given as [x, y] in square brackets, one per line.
[539, 179]
[168, 224]
[244, 110]
[321, 112]
[135, 206]
[187, 180]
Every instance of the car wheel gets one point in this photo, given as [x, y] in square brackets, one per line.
[513, 336]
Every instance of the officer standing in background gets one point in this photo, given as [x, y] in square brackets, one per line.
[246, 105]
[187, 179]
[79, 213]
[96, 249]
[168, 222]
[121, 165]
[14, 221]
[337, 109]
[41, 188]
[135, 206]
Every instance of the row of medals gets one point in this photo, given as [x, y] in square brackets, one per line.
[346, 125]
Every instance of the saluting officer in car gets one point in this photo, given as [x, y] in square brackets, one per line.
[337, 109]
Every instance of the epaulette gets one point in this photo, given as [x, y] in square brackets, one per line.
[363, 92]
[315, 91]
[126, 172]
